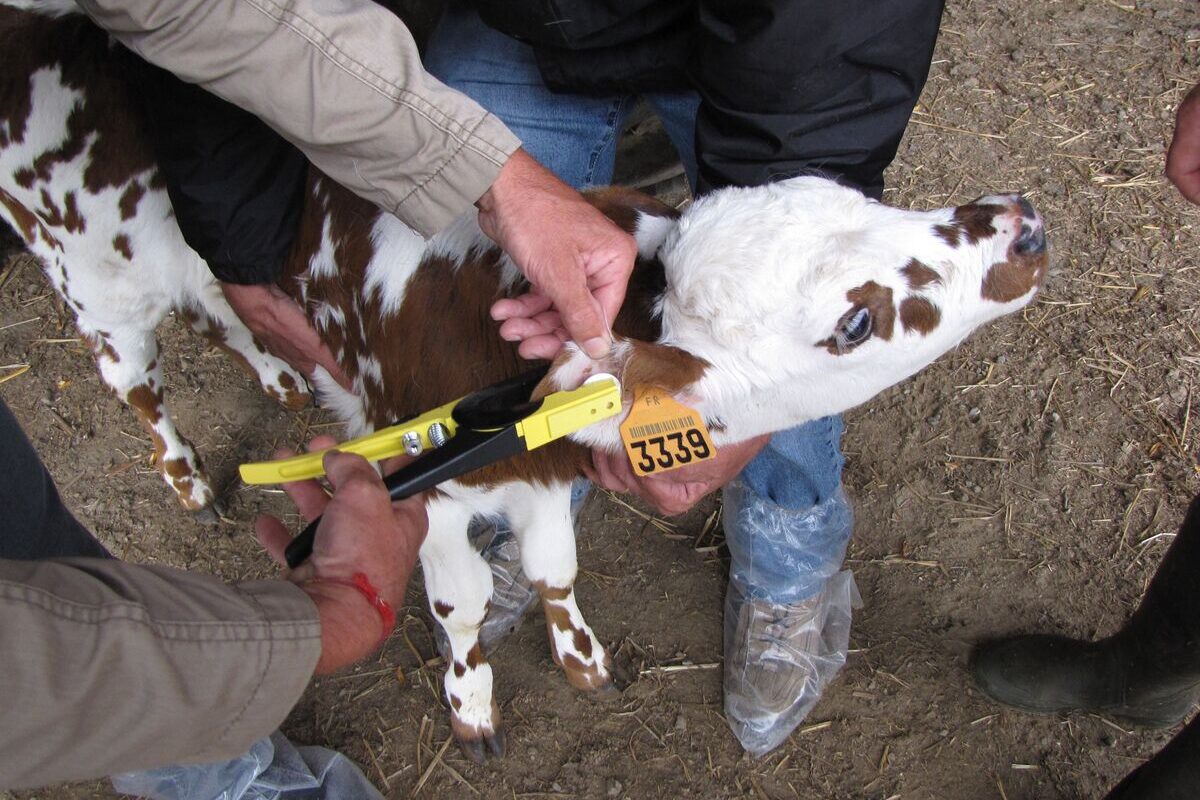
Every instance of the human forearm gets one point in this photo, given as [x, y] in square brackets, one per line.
[344, 84]
[110, 666]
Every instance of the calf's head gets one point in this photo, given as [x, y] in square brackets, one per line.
[788, 302]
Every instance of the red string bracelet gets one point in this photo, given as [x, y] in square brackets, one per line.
[360, 583]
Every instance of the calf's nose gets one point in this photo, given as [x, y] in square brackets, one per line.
[1032, 238]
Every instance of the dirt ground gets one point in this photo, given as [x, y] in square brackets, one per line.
[1030, 480]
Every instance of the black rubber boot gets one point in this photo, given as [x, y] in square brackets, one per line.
[1173, 774]
[1148, 673]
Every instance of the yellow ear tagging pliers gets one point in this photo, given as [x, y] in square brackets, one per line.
[490, 425]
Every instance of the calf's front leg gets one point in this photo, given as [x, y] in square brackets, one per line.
[458, 584]
[541, 519]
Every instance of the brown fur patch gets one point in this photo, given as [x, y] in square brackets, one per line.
[146, 402]
[622, 205]
[663, 366]
[975, 221]
[1013, 278]
[553, 594]
[460, 669]
[919, 275]
[122, 245]
[557, 616]
[917, 313]
[948, 234]
[455, 703]
[24, 178]
[130, 199]
[573, 667]
[27, 223]
[177, 467]
[73, 221]
[442, 608]
[583, 642]
[50, 212]
[475, 657]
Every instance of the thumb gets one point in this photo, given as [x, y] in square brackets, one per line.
[582, 316]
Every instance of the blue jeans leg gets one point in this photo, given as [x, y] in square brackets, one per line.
[677, 110]
[787, 520]
[574, 136]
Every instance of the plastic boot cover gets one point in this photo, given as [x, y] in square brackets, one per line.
[780, 657]
[273, 769]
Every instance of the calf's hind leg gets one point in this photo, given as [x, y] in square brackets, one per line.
[216, 320]
[458, 584]
[128, 362]
[541, 519]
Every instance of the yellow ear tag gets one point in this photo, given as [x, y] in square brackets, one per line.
[662, 434]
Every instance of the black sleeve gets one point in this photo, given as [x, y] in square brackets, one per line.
[791, 87]
[236, 186]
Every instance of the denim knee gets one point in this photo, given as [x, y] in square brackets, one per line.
[801, 467]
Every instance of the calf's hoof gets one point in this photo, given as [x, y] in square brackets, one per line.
[210, 514]
[476, 742]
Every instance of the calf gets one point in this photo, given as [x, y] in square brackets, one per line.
[761, 308]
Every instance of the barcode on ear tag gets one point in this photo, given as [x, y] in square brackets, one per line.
[662, 434]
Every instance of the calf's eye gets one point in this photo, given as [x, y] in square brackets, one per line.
[854, 328]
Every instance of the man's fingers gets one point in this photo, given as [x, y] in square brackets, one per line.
[540, 347]
[525, 305]
[309, 496]
[608, 470]
[582, 316]
[272, 536]
[518, 329]
[610, 297]
[343, 468]
[322, 442]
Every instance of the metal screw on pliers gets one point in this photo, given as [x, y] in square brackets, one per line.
[412, 443]
[438, 434]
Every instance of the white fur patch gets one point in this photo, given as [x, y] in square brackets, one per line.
[651, 232]
[398, 252]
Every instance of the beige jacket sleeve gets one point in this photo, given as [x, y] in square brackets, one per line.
[107, 667]
[342, 80]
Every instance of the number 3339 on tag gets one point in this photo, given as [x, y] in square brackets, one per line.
[662, 434]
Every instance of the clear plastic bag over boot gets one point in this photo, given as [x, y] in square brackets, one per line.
[273, 769]
[780, 657]
[787, 611]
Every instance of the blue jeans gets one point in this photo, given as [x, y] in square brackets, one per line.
[790, 527]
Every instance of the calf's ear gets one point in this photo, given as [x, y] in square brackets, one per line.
[635, 363]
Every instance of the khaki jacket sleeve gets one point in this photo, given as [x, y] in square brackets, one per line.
[107, 667]
[342, 80]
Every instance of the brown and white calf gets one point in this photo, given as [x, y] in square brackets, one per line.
[762, 308]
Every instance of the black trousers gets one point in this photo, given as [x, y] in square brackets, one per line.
[237, 187]
[1164, 636]
[36, 523]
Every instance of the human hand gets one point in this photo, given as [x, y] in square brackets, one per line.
[576, 259]
[1183, 157]
[676, 491]
[282, 327]
[361, 531]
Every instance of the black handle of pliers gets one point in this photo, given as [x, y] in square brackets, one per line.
[468, 450]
